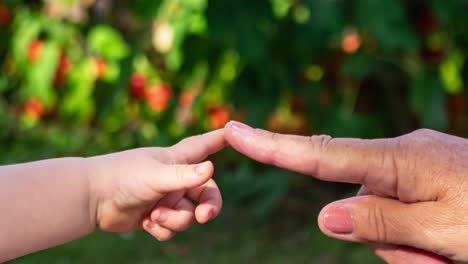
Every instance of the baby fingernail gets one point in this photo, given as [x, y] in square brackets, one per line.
[211, 215]
[150, 224]
[339, 220]
[202, 169]
[159, 216]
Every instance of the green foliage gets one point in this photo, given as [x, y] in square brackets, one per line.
[121, 74]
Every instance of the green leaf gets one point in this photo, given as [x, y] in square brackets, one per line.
[39, 75]
[78, 101]
[195, 5]
[451, 72]
[107, 42]
[146, 9]
[27, 29]
[281, 7]
[112, 72]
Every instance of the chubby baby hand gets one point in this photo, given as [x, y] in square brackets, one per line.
[162, 190]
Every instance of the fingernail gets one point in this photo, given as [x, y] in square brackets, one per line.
[339, 220]
[238, 126]
[210, 215]
[150, 224]
[159, 216]
[202, 169]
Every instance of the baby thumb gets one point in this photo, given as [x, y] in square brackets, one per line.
[180, 177]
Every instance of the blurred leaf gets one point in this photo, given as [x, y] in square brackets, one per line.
[450, 72]
[78, 102]
[146, 9]
[424, 91]
[357, 65]
[387, 22]
[39, 75]
[280, 7]
[27, 29]
[107, 42]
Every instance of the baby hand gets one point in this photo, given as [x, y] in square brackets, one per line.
[154, 188]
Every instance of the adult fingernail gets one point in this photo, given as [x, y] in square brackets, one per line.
[202, 169]
[339, 220]
[239, 127]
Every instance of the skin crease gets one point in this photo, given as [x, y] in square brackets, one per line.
[150, 188]
[416, 205]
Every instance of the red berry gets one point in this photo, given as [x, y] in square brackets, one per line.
[219, 116]
[351, 42]
[35, 50]
[158, 97]
[138, 86]
[100, 67]
[63, 68]
[5, 15]
[33, 108]
[187, 97]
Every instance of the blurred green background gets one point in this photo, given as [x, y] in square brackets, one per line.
[84, 77]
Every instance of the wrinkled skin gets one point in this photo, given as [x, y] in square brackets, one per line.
[414, 206]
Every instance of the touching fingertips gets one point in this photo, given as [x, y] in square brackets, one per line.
[203, 168]
[338, 219]
[239, 129]
[239, 126]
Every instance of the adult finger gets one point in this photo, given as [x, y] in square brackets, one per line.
[369, 162]
[402, 254]
[374, 219]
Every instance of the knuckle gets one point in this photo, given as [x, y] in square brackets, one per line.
[274, 136]
[423, 131]
[377, 225]
[418, 139]
[179, 173]
[320, 143]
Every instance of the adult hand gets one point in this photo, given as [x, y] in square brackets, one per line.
[417, 185]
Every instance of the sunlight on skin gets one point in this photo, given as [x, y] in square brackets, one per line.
[66, 199]
[412, 204]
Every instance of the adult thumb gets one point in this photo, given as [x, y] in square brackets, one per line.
[374, 219]
[177, 177]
